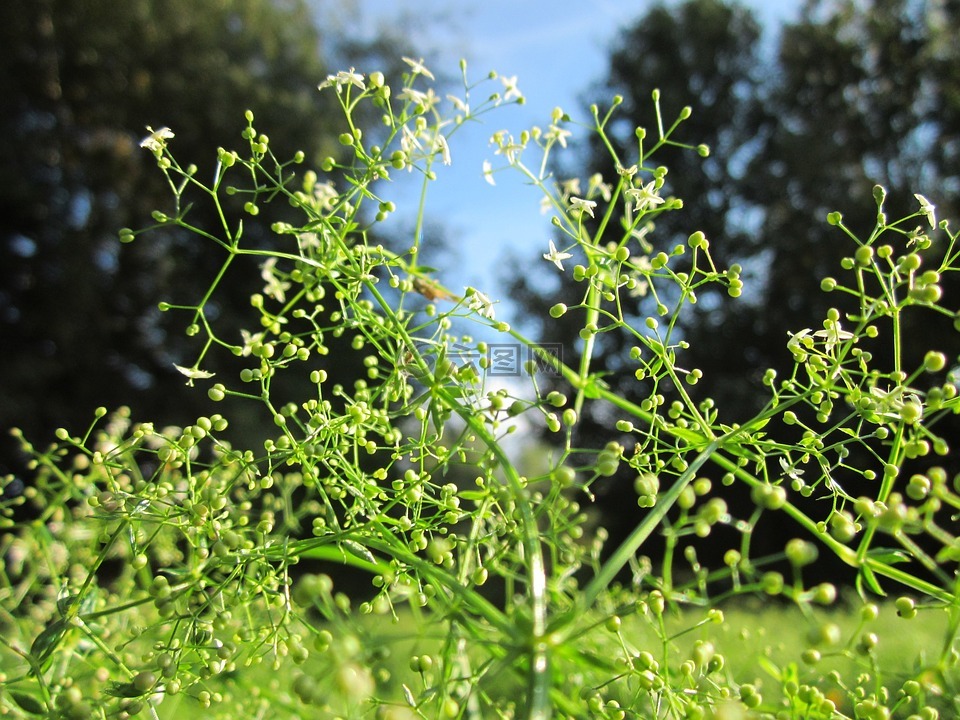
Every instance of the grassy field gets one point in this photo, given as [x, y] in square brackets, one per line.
[762, 644]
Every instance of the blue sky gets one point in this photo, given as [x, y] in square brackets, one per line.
[557, 49]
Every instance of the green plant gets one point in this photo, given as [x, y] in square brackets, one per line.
[157, 568]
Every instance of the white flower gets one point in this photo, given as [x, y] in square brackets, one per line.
[833, 336]
[441, 146]
[194, 374]
[928, 209]
[273, 286]
[555, 256]
[596, 184]
[248, 340]
[344, 77]
[425, 100]
[626, 172]
[459, 104]
[558, 134]
[409, 141]
[510, 88]
[581, 206]
[418, 67]
[156, 141]
[480, 303]
[790, 470]
[488, 172]
[506, 146]
[570, 187]
[644, 197]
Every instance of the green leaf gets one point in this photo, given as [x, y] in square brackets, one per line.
[890, 556]
[28, 703]
[358, 550]
[123, 690]
[771, 669]
[866, 574]
[47, 641]
[593, 387]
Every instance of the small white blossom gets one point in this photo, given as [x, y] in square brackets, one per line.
[626, 172]
[418, 67]
[558, 134]
[248, 340]
[833, 336]
[790, 470]
[510, 88]
[480, 303]
[273, 286]
[596, 184]
[644, 197]
[507, 146]
[555, 256]
[424, 99]
[344, 77]
[488, 172]
[194, 374]
[409, 141]
[459, 104]
[579, 205]
[570, 187]
[441, 146]
[156, 141]
[928, 209]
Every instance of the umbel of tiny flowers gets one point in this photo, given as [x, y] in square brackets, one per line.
[555, 256]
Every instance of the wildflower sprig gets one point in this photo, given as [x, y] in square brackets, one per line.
[163, 565]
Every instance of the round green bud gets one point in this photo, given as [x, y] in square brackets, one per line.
[557, 399]
[607, 467]
[800, 552]
[934, 361]
[906, 608]
[911, 412]
[826, 634]
[144, 681]
[564, 476]
[558, 310]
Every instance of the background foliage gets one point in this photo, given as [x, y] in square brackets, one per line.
[849, 95]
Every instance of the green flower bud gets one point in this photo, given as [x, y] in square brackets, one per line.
[800, 552]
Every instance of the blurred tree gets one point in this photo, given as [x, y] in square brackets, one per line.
[856, 93]
[706, 54]
[81, 80]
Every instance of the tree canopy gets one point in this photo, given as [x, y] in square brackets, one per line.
[851, 95]
[81, 81]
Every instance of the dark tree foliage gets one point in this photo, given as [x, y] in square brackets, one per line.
[80, 81]
[856, 94]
